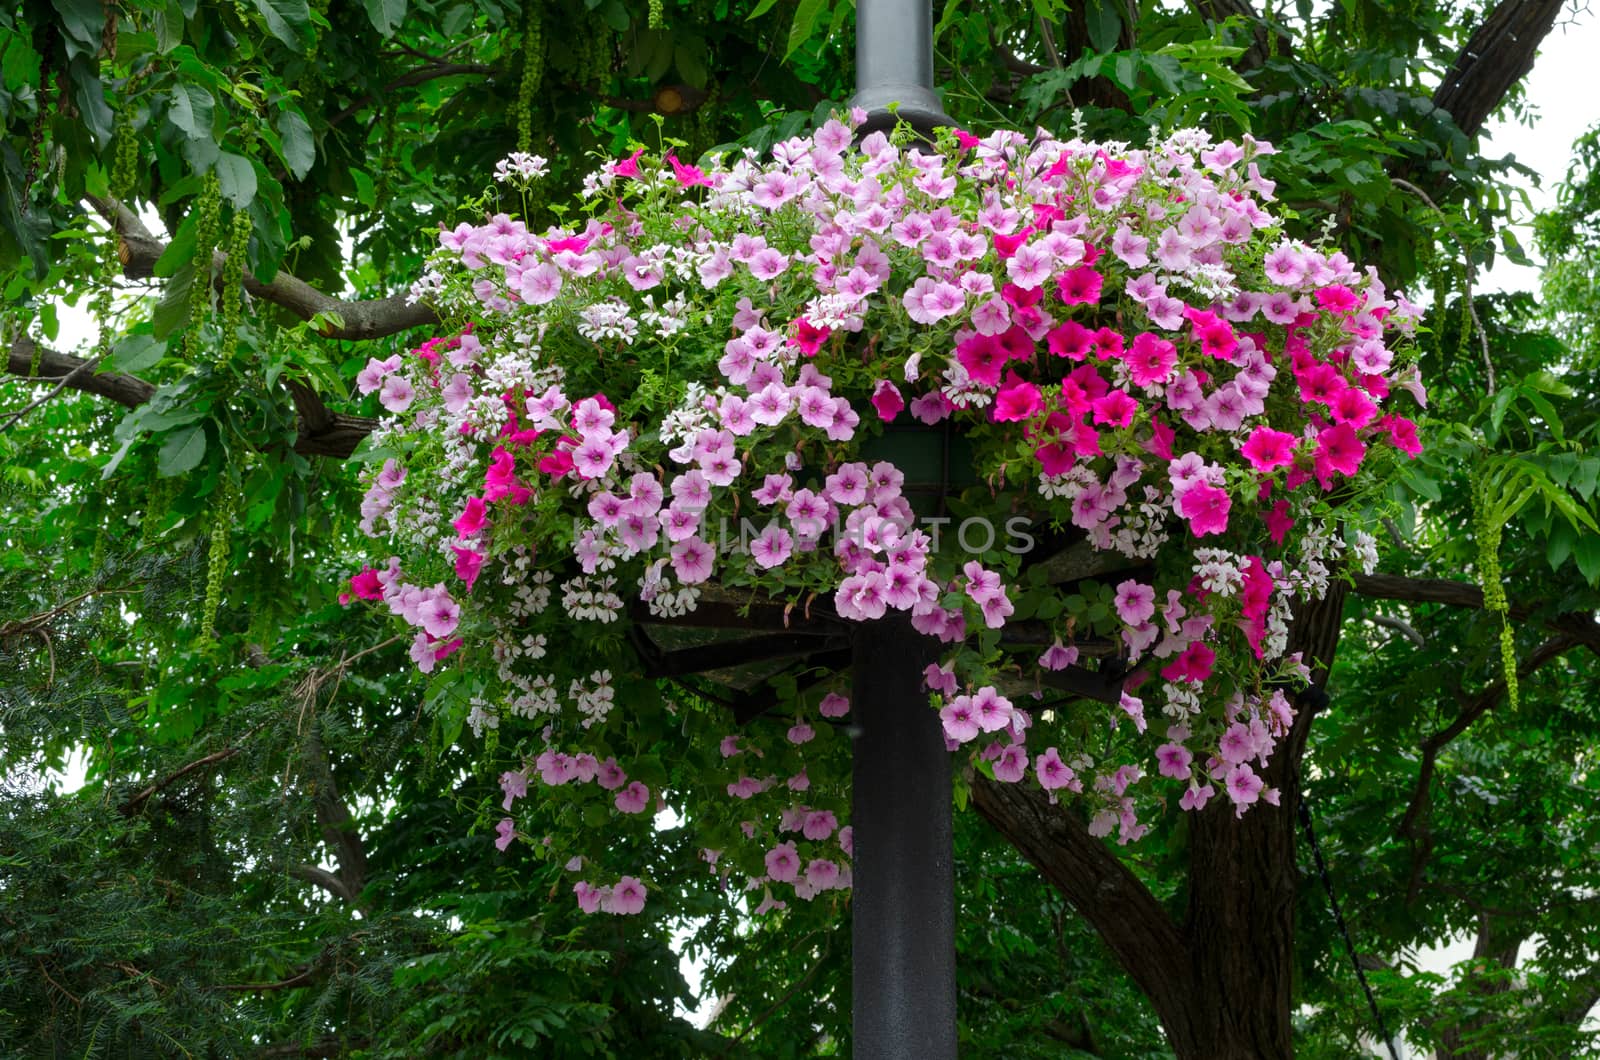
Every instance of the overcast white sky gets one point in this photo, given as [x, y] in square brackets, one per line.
[1564, 87]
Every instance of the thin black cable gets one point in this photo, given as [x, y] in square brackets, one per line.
[1338, 918]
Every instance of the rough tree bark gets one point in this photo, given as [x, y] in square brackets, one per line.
[1218, 978]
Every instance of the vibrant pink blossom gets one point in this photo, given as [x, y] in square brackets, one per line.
[959, 719]
[610, 777]
[396, 394]
[1269, 449]
[1278, 522]
[819, 824]
[886, 400]
[1052, 771]
[1012, 764]
[1193, 664]
[1338, 450]
[1117, 408]
[469, 562]
[1017, 401]
[692, 560]
[1206, 508]
[1058, 657]
[822, 874]
[1079, 286]
[833, 705]
[1243, 786]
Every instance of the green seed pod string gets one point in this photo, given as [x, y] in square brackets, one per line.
[208, 207]
[532, 71]
[233, 282]
[219, 553]
[156, 504]
[1488, 530]
[658, 14]
[388, 145]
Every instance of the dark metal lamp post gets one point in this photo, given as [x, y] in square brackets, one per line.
[894, 64]
[903, 902]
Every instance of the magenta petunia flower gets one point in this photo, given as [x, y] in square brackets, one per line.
[1206, 508]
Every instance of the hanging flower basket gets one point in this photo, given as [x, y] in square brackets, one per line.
[701, 388]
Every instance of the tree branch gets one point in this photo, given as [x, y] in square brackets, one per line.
[419, 76]
[1102, 889]
[63, 368]
[301, 979]
[324, 879]
[1497, 55]
[333, 817]
[139, 250]
[85, 368]
[1578, 625]
[1471, 711]
[321, 433]
[135, 803]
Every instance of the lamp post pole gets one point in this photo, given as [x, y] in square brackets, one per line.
[903, 895]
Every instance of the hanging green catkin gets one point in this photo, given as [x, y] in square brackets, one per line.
[233, 282]
[388, 164]
[658, 14]
[124, 161]
[1487, 531]
[532, 71]
[156, 504]
[208, 210]
[219, 554]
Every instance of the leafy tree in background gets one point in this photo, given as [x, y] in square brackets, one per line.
[280, 849]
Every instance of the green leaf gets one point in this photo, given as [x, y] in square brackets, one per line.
[1558, 546]
[89, 92]
[83, 22]
[20, 65]
[386, 15]
[182, 451]
[190, 108]
[457, 19]
[285, 20]
[299, 150]
[616, 16]
[1125, 72]
[689, 56]
[135, 353]
[168, 26]
[1105, 25]
[946, 20]
[806, 17]
[1585, 476]
[238, 178]
[1587, 554]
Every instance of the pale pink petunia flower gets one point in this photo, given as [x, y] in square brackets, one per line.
[396, 394]
[692, 560]
[783, 863]
[626, 898]
[633, 798]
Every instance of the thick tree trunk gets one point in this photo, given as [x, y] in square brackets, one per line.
[1239, 927]
[1220, 980]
